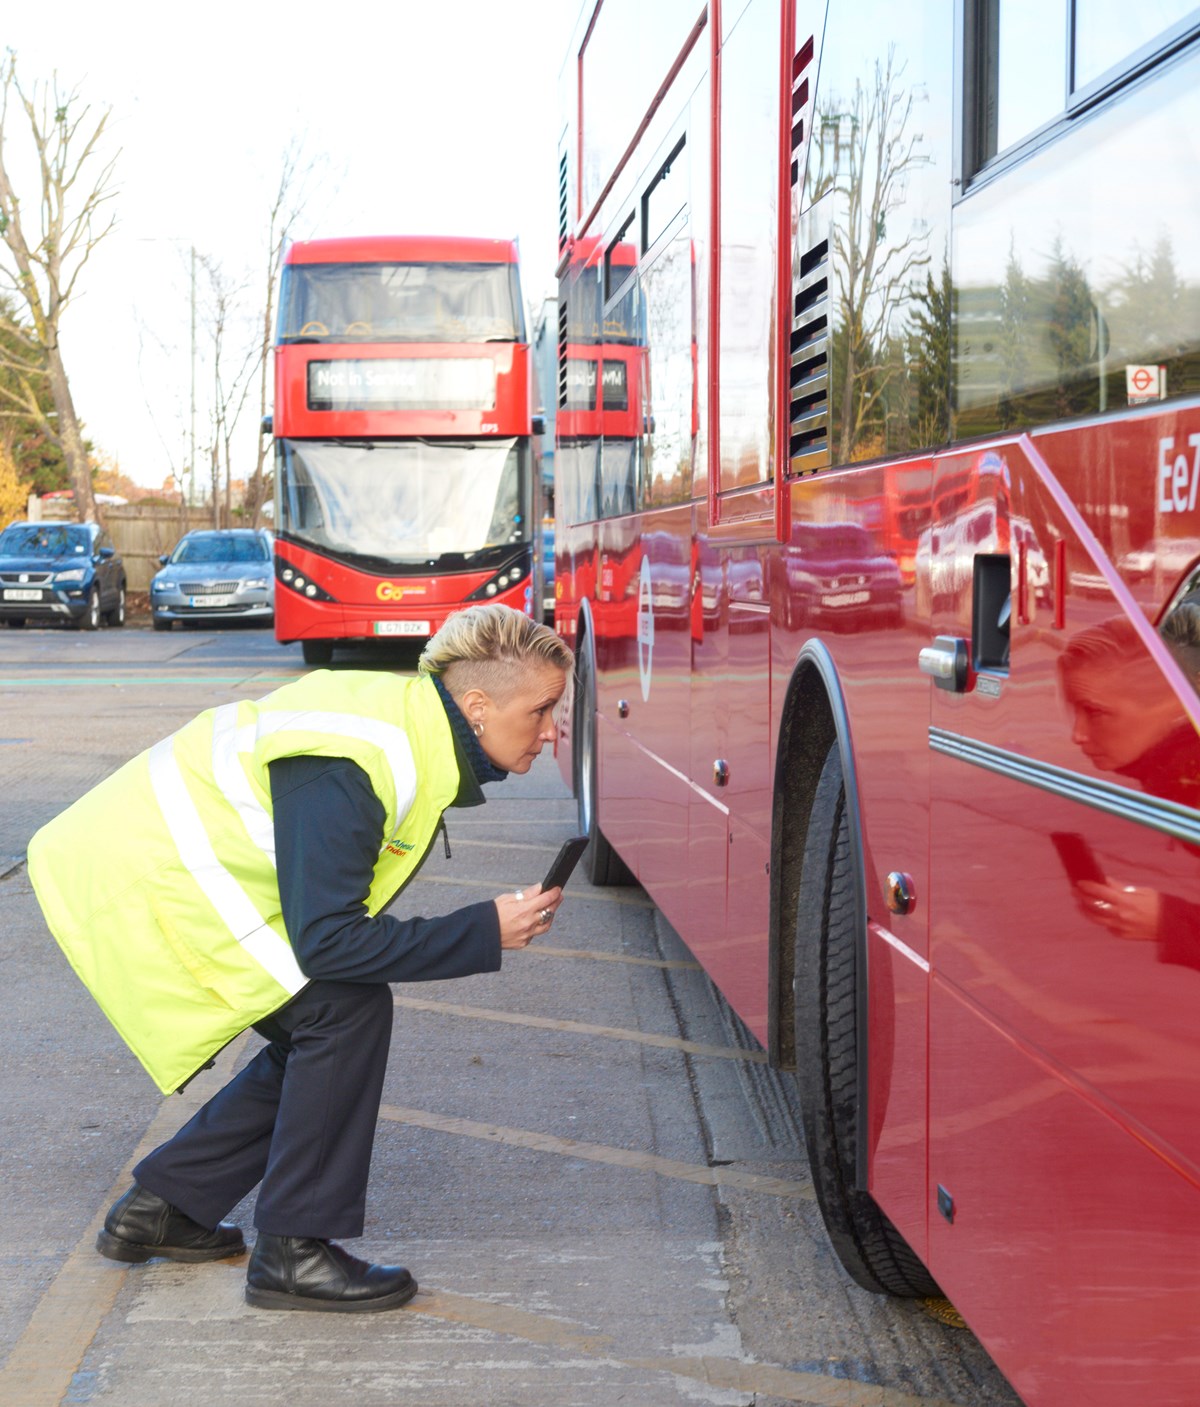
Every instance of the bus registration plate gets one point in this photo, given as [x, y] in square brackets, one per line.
[402, 627]
[16, 595]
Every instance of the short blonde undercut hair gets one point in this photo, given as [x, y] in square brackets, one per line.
[490, 647]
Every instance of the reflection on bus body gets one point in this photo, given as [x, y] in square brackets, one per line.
[1127, 719]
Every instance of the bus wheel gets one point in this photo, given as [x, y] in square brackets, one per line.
[604, 866]
[828, 941]
[317, 651]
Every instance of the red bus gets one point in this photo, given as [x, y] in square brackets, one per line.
[888, 649]
[404, 485]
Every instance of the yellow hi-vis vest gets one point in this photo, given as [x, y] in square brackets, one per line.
[160, 885]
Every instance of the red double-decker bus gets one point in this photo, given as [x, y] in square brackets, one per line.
[403, 479]
[888, 646]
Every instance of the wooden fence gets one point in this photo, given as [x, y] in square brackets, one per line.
[141, 535]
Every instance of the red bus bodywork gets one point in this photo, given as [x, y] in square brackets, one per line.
[953, 548]
[406, 391]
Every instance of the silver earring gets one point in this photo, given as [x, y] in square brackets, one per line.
[478, 727]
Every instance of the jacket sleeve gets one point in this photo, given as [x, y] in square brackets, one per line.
[328, 830]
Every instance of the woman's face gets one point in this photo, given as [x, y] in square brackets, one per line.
[1119, 716]
[516, 728]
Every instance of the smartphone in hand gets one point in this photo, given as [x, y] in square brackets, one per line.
[1076, 856]
[564, 862]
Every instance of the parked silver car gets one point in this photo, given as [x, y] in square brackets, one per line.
[215, 574]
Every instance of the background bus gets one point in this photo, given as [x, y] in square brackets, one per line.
[888, 624]
[403, 479]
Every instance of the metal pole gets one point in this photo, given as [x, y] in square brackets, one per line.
[192, 435]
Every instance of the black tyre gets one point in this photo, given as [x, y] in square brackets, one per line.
[161, 624]
[604, 866]
[116, 616]
[16, 622]
[90, 620]
[830, 932]
[317, 651]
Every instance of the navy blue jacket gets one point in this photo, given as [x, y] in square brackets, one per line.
[328, 829]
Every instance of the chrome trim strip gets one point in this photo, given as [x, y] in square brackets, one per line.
[1169, 817]
[903, 949]
[675, 772]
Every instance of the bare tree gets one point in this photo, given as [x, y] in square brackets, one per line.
[865, 153]
[44, 263]
[233, 366]
[296, 175]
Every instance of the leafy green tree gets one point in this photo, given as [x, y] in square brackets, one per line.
[36, 459]
[929, 355]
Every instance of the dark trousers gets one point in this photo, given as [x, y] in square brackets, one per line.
[299, 1118]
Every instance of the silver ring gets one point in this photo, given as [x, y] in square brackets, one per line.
[518, 894]
[544, 916]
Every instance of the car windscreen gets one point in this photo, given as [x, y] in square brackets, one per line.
[220, 549]
[43, 540]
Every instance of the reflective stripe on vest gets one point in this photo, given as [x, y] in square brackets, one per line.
[229, 740]
[220, 888]
[224, 893]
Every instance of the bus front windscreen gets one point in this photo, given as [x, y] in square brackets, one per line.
[400, 303]
[400, 501]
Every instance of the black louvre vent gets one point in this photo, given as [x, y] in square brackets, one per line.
[809, 377]
[562, 352]
[562, 203]
[808, 415]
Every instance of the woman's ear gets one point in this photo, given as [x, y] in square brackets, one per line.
[474, 705]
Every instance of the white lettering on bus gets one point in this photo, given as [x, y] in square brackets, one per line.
[1177, 479]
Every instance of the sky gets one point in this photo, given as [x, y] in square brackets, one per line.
[418, 116]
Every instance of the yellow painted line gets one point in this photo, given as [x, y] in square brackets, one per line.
[636, 899]
[580, 1028]
[47, 1356]
[599, 1153]
[765, 1380]
[734, 1374]
[541, 950]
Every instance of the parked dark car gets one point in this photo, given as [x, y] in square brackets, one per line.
[835, 574]
[66, 572]
[216, 574]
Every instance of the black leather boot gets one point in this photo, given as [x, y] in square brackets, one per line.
[141, 1225]
[301, 1272]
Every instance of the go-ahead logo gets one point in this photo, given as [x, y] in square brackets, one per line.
[394, 591]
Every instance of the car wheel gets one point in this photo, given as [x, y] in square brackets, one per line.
[162, 624]
[830, 932]
[16, 622]
[90, 620]
[604, 865]
[117, 615]
[317, 651]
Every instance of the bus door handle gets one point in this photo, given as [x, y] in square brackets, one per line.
[946, 662]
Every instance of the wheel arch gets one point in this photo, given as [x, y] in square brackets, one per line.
[814, 716]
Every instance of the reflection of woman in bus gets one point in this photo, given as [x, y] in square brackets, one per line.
[1127, 719]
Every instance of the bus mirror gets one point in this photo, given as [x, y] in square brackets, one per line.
[539, 424]
[268, 425]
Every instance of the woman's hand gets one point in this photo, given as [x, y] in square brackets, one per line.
[526, 915]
